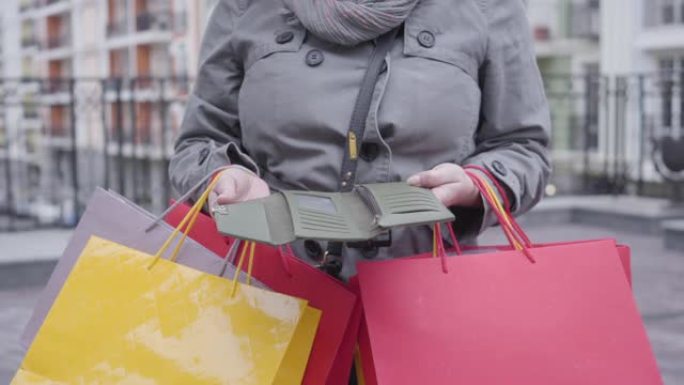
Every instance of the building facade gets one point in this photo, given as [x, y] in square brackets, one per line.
[567, 42]
[613, 75]
[93, 94]
[643, 44]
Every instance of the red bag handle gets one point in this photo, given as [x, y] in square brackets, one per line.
[438, 249]
[512, 232]
[504, 196]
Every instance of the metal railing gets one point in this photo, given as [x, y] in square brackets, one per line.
[118, 133]
[28, 41]
[160, 21]
[117, 28]
[59, 41]
[113, 133]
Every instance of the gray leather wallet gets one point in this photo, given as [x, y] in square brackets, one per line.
[362, 214]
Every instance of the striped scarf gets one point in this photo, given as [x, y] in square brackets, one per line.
[350, 22]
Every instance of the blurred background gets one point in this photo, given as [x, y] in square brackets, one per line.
[92, 94]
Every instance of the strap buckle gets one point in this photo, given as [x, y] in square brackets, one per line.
[331, 266]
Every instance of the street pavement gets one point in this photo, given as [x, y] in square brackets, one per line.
[658, 281]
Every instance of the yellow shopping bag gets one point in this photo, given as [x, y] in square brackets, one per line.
[126, 317]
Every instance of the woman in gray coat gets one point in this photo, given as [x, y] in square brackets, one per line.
[279, 80]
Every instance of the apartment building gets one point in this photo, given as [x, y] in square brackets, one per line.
[19, 127]
[567, 43]
[150, 52]
[643, 41]
[133, 59]
[106, 78]
[566, 34]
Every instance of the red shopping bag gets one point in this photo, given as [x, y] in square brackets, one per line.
[364, 359]
[624, 252]
[339, 374]
[289, 275]
[561, 314]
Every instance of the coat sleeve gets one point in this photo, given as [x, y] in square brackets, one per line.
[512, 138]
[210, 130]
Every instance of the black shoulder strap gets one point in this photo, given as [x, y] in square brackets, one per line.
[357, 124]
[357, 127]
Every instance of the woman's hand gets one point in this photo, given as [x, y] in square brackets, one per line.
[450, 184]
[237, 185]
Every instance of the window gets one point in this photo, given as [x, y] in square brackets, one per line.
[664, 12]
[668, 13]
[671, 92]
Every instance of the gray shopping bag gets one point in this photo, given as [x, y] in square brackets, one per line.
[114, 218]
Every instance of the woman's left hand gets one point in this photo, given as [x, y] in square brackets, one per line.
[450, 184]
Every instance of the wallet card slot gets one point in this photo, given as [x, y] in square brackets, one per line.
[322, 225]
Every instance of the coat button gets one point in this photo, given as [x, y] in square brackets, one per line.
[387, 131]
[500, 168]
[370, 252]
[313, 250]
[314, 57]
[426, 39]
[369, 151]
[284, 37]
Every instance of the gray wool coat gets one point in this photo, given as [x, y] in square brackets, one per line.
[461, 85]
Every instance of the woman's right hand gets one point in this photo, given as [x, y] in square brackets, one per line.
[237, 185]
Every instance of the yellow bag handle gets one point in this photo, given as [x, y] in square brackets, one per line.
[189, 219]
[247, 245]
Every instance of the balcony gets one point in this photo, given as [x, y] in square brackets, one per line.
[53, 42]
[119, 134]
[58, 130]
[28, 41]
[117, 28]
[180, 22]
[50, 2]
[158, 21]
[56, 85]
[31, 113]
[566, 20]
[663, 13]
[25, 5]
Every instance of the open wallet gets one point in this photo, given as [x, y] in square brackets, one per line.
[368, 211]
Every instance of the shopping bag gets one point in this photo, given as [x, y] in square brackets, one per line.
[112, 217]
[280, 270]
[343, 363]
[125, 316]
[116, 320]
[624, 252]
[561, 314]
[365, 369]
